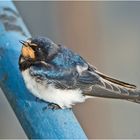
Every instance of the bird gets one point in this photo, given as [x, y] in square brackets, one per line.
[55, 74]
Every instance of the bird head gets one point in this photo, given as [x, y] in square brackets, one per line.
[37, 49]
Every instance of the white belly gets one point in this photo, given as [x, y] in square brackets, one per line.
[64, 98]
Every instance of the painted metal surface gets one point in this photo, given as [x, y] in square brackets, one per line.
[49, 124]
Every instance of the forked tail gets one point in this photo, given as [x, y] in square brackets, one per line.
[111, 88]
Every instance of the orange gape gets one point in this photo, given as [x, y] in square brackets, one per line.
[28, 52]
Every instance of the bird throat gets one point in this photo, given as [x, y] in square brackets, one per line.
[24, 64]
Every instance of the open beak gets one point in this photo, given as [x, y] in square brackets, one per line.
[23, 42]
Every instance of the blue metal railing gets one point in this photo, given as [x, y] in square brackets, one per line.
[60, 124]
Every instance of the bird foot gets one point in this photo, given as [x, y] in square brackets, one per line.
[51, 106]
[38, 100]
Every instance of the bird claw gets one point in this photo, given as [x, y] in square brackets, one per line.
[38, 100]
[51, 106]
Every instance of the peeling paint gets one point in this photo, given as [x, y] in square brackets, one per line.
[4, 78]
[11, 10]
[13, 27]
[5, 17]
[27, 104]
[10, 20]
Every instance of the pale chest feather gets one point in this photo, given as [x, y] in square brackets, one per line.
[63, 97]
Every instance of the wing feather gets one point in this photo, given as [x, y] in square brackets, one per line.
[115, 81]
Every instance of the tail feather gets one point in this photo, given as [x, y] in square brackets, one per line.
[115, 81]
[112, 88]
[130, 95]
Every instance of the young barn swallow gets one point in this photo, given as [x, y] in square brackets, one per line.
[63, 78]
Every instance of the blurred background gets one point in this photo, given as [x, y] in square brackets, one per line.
[106, 34]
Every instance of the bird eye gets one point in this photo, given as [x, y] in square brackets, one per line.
[38, 49]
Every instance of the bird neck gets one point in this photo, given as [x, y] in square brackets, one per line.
[23, 65]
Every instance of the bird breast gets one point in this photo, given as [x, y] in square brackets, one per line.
[65, 98]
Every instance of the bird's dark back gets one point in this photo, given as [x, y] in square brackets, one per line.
[67, 59]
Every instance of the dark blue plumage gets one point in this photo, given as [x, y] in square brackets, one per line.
[64, 57]
[56, 74]
[62, 66]
[67, 59]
